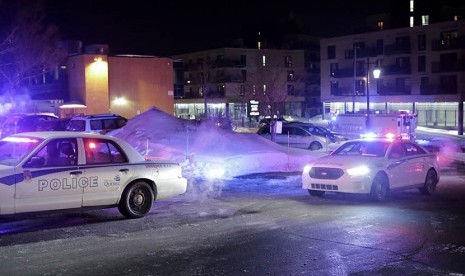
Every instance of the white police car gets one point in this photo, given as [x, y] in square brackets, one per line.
[56, 170]
[374, 167]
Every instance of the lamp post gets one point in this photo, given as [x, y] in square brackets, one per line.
[376, 74]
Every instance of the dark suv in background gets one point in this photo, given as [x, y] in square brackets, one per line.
[17, 123]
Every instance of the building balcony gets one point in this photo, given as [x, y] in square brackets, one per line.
[441, 45]
[312, 80]
[312, 70]
[222, 63]
[227, 79]
[397, 49]
[395, 70]
[442, 67]
[361, 53]
[193, 67]
[348, 73]
[386, 90]
[437, 89]
[346, 91]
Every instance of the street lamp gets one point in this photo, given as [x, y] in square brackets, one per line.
[376, 74]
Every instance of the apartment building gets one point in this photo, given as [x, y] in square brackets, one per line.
[422, 71]
[224, 81]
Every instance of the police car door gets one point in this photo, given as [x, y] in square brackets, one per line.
[400, 168]
[51, 179]
[416, 159]
[107, 169]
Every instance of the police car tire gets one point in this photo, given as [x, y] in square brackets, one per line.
[430, 183]
[379, 188]
[136, 200]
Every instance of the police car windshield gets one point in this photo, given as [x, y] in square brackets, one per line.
[365, 148]
[14, 149]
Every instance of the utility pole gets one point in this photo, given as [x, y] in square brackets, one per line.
[376, 74]
[355, 78]
[368, 93]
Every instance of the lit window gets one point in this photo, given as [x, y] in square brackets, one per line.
[263, 61]
[411, 5]
[264, 89]
[380, 25]
[425, 20]
[411, 21]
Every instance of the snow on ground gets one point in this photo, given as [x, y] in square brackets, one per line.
[207, 150]
[204, 149]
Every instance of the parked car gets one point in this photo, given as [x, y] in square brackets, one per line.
[374, 167]
[54, 125]
[267, 120]
[296, 136]
[321, 131]
[56, 170]
[17, 123]
[97, 123]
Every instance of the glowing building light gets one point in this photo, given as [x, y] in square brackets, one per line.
[120, 101]
[99, 66]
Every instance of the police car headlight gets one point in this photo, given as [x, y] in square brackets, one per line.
[358, 171]
[307, 169]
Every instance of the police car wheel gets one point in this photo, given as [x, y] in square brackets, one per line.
[136, 201]
[430, 183]
[379, 188]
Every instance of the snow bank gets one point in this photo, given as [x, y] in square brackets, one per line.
[203, 148]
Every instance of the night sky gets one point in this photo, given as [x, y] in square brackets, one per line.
[165, 28]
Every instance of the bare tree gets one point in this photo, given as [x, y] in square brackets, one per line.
[28, 49]
[270, 88]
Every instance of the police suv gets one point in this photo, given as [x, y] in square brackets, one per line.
[41, 171]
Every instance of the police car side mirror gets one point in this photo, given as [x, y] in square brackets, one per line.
[35, 162]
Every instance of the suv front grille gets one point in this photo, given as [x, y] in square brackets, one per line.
[325, 173]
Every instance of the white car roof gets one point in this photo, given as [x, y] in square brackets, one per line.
[62, 134]
[133, 154]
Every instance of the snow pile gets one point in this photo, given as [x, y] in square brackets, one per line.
[203, 149]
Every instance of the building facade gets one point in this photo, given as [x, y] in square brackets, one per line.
[422, 71]
[125, 85]
[224, 81]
